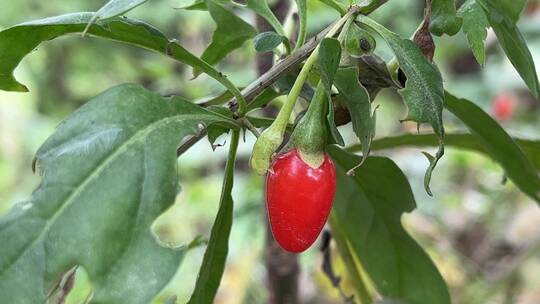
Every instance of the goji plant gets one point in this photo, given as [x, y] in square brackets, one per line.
[109, 169]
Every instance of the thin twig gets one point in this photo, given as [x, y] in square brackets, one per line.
[279, 69]
[250, 126]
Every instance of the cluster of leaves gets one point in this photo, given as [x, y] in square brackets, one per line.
[109, 169]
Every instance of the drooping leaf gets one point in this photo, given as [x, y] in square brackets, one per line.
[328, 61]
[367, 210]
[502, 16]
[423, 92]
[498, 144]
[374, 74]
[231, 32]
[474, 26]
[215, 255]
[356, 99]
[267, 41]
[17, 41]
[334, 137]
[302, 29]
[465, 141]
[444, 19]
[216, 131]
[107, 172]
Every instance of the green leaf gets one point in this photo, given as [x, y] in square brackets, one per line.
[336, 5]
[423, 92]
[215, 255]
[358, 41]
[261, 8]
[347, 255]
[231, 32]
[474, 26]
[114, 8]
[368, 208]
[334, 137]
[356, 99]
[302, 14]
[328, 61]
[107, 172]
[502, 15]
[17, 41]
[264, 98]
[267, 41]
[444, 19]
[505, 9]
[498, 144]
[215, 131]
[366, 7]
[531, 148]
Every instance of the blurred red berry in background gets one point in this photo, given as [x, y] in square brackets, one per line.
[503, 106]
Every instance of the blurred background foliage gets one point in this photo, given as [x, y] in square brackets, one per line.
[483, 234]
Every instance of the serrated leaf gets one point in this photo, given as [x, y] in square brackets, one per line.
[367, 210]
[423, 92]
[356, 99]
[107, 172]
[502, 16]
[19, 40]
[215, 255]
[231, 32]
[498, 144]
[444, 19]
[475, 26]
[464, 141]
[267, 41]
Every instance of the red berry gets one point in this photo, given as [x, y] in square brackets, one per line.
[299, 199]
[503, 107]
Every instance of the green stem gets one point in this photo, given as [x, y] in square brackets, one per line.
[284, 115]
[247, 123]
[348, 259]
[303, 20]
[271, 138]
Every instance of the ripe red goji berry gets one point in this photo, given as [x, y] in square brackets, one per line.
[299, 199]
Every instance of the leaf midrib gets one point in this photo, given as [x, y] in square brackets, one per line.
[141, 134]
